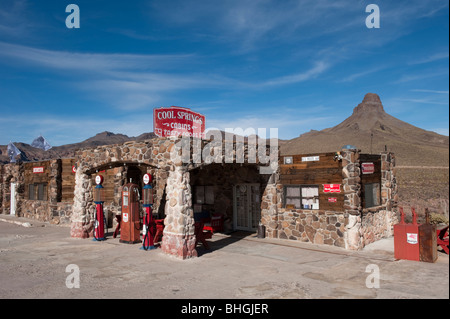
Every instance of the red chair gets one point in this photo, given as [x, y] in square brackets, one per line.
[442, 238]
[159, 230]
[201, 235]
[118, 219]
[216, 224]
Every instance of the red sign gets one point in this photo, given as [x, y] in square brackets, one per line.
[332, 199]
[38, 169]
[178, 121]
[331, 188]
[368, 168]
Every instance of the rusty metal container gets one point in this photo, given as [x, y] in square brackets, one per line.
[428, 240]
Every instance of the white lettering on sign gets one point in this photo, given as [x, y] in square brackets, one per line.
[310, 158]
[178, 121]
[39, 169]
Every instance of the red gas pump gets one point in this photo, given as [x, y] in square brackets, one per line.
[148, 231]
[130, 223]
[99, 221]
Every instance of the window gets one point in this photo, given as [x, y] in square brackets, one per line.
[372, 195]
[37, 191]
[301, 196]
[204, 195]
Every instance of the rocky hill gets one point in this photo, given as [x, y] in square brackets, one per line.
[372, 130]
[30, 153]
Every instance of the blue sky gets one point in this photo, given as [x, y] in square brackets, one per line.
[294, 65]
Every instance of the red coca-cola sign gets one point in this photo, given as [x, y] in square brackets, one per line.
[178, 121]
[331, 188]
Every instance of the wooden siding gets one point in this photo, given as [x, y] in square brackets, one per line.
[325, 171]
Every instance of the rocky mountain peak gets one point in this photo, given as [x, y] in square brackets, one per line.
[370, 104]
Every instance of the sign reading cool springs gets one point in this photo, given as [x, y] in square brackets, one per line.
[178, 121]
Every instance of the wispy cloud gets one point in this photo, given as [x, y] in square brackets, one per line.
[421, 76]
[358, 75]
[285, 123]
[92, 62]
[430, 91]
[424, 101]
[316, 70]
[431, 58]
[133, 81]
[13, 20]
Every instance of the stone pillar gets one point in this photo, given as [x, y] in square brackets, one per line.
[1, 188]
[389, 195]
[81, 224]
[179, 232]
[389, 191]
[13, 173]
[269, 206]
[352, 236]
[351, 181]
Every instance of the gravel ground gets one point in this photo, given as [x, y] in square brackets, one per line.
[34, 261]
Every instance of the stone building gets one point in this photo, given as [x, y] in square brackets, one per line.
[345, 199]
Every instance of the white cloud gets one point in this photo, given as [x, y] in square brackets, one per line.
[316, 70]
[430, 91]
[288, 126]
[431, 58]
[90, 62]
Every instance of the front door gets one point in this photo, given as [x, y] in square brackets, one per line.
[12, 207]
[247, 207]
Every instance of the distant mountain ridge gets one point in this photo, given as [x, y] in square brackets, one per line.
[30, 153]
[369, 128]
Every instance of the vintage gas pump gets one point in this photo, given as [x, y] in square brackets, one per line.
[99, 221]
[148, 231]
[130, 224]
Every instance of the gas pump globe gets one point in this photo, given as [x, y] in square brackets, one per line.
[147, 191]
[99, 199]
[99, 195]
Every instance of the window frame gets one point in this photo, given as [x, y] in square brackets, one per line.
[38, 191]
[301, 197]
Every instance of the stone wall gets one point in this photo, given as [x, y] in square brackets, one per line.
[51, 210]
[170, 161]
[377, 225]
[319, 227]
[352, 228]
